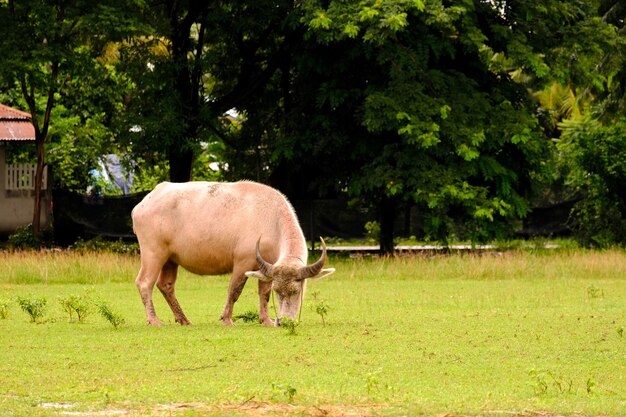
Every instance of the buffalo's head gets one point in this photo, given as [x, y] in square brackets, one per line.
[289, 280]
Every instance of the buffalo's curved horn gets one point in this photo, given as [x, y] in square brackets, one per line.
[315, 268]
[264, 266]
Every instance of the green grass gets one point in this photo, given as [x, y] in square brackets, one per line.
[520, 333]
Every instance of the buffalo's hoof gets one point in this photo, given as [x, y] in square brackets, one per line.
[267, 323]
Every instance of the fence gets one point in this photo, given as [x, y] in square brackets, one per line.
[79, 216]
[22, 177]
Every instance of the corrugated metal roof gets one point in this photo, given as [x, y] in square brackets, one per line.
[16, 130]
[15, 125]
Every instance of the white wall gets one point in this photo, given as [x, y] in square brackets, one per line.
[16, 207]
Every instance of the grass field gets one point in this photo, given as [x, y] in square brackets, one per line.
[512, 334]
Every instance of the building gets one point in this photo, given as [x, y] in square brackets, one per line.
[17, 188]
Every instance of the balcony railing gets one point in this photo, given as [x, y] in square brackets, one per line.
[22, 177]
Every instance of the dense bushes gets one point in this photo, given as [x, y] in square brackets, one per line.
[597, 154]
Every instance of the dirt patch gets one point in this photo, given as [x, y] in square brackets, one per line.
[264, 409]
[247, 409]
[271, 409]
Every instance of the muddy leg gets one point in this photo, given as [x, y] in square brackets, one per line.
[145, 283]
[237, 282]
[166, 284]
[265, 290]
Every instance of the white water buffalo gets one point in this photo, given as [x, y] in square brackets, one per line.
[211, 228]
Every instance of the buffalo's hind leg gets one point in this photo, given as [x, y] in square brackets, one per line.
[145, 281]
[166, 284]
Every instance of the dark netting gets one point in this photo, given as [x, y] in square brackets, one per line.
[333, 218]
[81, 216]
[78, 216]
[548, 221]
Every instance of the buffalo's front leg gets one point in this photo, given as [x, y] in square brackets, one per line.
[265, 290]
[237, 282]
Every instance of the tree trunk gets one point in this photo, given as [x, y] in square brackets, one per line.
[387, 215]
[41, 132]
[38, 185]
[187, 73]
[181, 161]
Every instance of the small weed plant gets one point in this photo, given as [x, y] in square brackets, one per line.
[538, 382]
[322, 310]
[375, 387]
[34, 307]
[290, 325]
[247, 317]
[547, 382]
[282, 392]
[76, 305]
[4, 309]
[594, 292]
[112, 317]
[591, 384]
[321, 307]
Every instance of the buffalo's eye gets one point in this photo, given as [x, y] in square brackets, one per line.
[287, 291]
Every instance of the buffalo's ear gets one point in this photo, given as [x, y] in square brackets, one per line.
[259, 275]
[324, 273]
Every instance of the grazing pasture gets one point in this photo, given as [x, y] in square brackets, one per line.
[510, 334]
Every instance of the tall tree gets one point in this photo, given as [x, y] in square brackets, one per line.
[405, 103]
[425, 103]
[613, 64]
[201, 60]
[592, 146]
[34, 37]
[45, 46]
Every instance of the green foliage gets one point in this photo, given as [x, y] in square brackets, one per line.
[420, 101]
[207, 164]
[283, 392]
[545, 382]
[50, 56]
[100, 244]
[115, 318]
[372, 230]
[78, 140]
[34, 307]
[247, 317]
[148, 172]
[375, 387]
[24, 238]
[78, 305]
[290, 325]
[413, 78]
[597, 154]
[595, 292]
[4, 309]
[322, 309]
